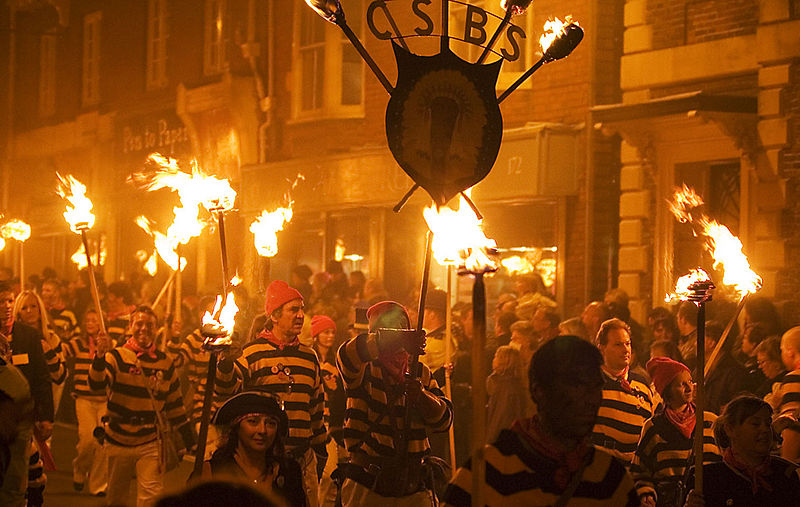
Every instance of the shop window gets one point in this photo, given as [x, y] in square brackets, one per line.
[157, 33]
[47, 75]
[329, 73]
[460, 43]
[90, 90]
[348, 239]
[214, 57]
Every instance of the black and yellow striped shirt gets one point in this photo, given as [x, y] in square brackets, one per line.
[292, 374]
[663, 452]
[78, 349]
[518, 475]
[376, 407]
[786, 397]
[64, 323]
[130, 409]
[189, 353]
[117, 327]
[622, 414]
[54, 357]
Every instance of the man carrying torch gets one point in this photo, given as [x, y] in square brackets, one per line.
[374, 367]
[277, 362]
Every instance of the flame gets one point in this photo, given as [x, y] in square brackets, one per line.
[79, 257]
[338, 250]
[518, 264]
[236, 280]
[16, 229]
[683, 200]
[724, 247]
[165, 246]
[458, 239]
[517, 6]
[78, 214]
[218, 324]
[2, 243]
[682, 291]
[266, 227]
[151, 266]
[553, 28]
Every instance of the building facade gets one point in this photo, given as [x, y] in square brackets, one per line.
[260, 91]
[710, 99]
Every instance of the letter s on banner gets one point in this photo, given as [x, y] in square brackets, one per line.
[424, 17]
[515, 52]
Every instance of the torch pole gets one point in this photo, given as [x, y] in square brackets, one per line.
[699, 398]
[354, 40]
[21, 266]
[211, 376]
[448, 359]
[712, 361]
[528, 73]
[163, 290]
[478, 389]
[178, 288]
[503, 24]
[92, 281]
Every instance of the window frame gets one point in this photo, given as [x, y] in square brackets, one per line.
[91, 55]
[215, 58]
[333, 67]
[156, 46]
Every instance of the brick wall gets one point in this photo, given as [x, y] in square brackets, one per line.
[676, 23]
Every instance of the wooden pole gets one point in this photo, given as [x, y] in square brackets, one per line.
[163, 290]
[712, 361]
[478, 389]
[699, 399]
[93, 282]
[21, 266]
[448, 359]
[178, 288]
[503, 24]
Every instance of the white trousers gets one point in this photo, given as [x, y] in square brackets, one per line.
[91, 460]
[123, 463]
[308, 463]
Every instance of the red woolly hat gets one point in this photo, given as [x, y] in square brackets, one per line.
[388, 314]
[320, 323]
[663, 370]
[278, 294]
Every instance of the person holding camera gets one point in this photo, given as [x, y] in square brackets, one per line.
[389, 462]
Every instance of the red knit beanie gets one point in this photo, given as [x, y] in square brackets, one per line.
[320, 323]
[388, 314]
[663, 370]
[278, 294]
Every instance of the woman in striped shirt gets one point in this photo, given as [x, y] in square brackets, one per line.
[665, 446]
[90, 407]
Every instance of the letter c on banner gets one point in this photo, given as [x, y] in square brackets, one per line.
[377, 4]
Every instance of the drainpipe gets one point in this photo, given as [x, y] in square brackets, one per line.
[589, 247]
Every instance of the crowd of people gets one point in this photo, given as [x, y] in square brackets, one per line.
[329, 396]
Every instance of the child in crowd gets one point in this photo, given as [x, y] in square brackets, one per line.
[508, 391]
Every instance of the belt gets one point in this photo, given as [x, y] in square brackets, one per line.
[134, 420]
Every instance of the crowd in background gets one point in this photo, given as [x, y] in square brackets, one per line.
[523, 320]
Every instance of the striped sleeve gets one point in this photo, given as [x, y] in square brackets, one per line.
[353, 356]
[440, 421]
[101, 372]
[173, 404]
[175, 352]
[53, 356]
[230, 376]
[642, 466]
[317, 411]
[788, 413]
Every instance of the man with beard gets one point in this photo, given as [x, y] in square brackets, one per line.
[387, 464]
[549, 459]
[278, 363]
[628, 400]
[27, 355]
[139, 380]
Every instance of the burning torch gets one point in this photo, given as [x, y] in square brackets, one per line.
[80, 218]
[458, 240]
[20, 231]
[696, 287]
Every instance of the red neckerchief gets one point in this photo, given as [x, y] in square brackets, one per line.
[756, 474]
[683, 420]
[140, 351]
[280, 345]
[397, 371]
[569, 462]
[92, 344]
[622, 378]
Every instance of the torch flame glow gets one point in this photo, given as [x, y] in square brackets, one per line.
[151, 266]
[164, 245]
[236, 280]
[683, 200]
[553, 28]
[78, 214]
[220, 322]
[682, 291]
[79, 257]
[458, 238]
[16, 229]
[518, 264]
[266, 227]
[2, 243]
[724, 247]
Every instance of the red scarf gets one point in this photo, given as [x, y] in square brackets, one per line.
[622, 378]
[683, 420]
[568, 462]
[280, 345]
[756, 474]
[140, 351]
[92, 345]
